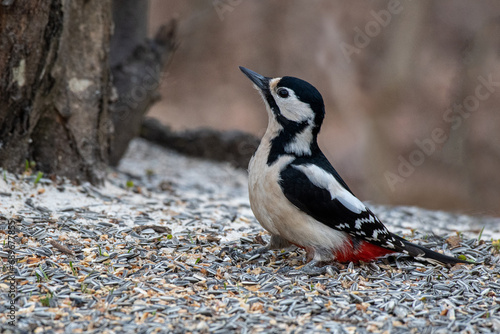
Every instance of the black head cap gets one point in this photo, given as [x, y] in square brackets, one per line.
[306, 93]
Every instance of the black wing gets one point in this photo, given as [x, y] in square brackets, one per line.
[318, 190]
[324, 196]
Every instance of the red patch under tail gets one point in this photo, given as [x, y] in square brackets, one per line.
[365, 252]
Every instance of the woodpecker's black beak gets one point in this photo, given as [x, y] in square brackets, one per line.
[259, 80]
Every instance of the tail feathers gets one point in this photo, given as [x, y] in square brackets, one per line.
[423, 254]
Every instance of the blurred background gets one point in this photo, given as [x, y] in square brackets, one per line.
[412, 88]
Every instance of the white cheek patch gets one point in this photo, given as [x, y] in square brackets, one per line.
[292, 108]
[322, 179]
[296, 110]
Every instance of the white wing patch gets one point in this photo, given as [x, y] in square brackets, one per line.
[321, 178]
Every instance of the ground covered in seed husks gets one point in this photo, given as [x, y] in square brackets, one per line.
[162, 248]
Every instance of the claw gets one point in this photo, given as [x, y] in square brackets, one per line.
[232, 253]
[276, 242]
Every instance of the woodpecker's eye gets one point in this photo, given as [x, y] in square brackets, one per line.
[282, 92]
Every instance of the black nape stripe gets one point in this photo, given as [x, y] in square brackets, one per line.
[290, 130]
[284, 137]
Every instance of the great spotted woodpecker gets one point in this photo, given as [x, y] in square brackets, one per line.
[299, 198]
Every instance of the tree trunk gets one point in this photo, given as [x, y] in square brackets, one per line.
[55, 86]
[137, 69]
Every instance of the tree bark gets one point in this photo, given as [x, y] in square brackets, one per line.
[137, 66]
[235, 147]
[55, 86]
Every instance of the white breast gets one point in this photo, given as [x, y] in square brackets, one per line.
[278, 215]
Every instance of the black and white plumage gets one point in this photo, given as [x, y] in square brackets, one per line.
[297, 195]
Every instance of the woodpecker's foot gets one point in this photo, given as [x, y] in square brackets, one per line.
[314, 268]
[231, 252]
[276, 242]
[259, 251]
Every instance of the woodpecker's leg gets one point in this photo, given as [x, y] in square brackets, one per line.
[276, 242]
[309, 255]
[313, 268]
[318, 267]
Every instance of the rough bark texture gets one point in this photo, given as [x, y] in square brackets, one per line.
[55, 86]
[130, 18]
[235, 147]
[137, 67]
